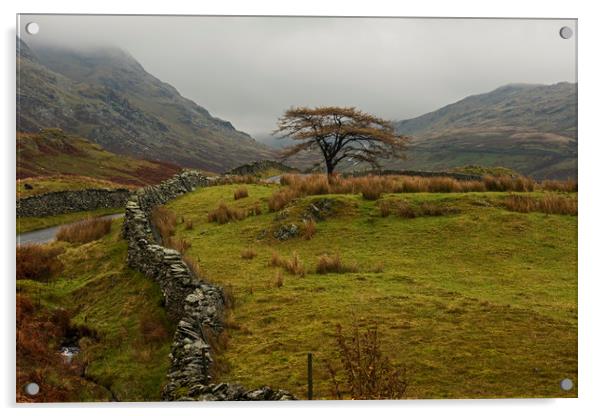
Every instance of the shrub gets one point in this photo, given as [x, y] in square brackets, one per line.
[379, 267]
[308, 230]
[85, 231]
[276, 260]
[248, 254]
[368, 373]
[333, 264]
[164, 221]
[189, 224]
[241, 193]
[223, 214]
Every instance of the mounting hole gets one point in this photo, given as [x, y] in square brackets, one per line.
[32, 389]
[566, 32]
[32, 28]
[566, 384]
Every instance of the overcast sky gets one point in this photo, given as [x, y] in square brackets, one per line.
[248, 70]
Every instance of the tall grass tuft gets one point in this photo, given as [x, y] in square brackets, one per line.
[85, 231]
[294, 265]
[164, 221]
[224, 214]
[248, 254]
[333, 264]
[308, 230]
[240, 193]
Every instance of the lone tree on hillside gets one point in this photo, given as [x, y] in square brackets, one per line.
[340, 133]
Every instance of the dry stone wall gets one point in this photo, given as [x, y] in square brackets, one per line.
[196, 306]
[62, 202]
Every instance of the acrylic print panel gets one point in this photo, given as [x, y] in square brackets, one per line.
[274, 208]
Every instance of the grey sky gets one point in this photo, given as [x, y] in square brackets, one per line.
[248, 70]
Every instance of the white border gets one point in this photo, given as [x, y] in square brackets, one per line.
[590, 230]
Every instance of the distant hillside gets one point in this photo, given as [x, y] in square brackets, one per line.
[528, 128]
[52, 153]
[106, 96]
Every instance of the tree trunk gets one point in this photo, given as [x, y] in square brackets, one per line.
[329, 171]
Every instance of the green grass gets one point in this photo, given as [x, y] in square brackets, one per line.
[480, 303]
[45, 184]
[26, 224]
[108, 297]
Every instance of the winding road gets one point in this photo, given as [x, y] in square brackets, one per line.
[46, 235]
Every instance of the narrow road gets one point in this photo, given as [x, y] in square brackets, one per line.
[46, 235]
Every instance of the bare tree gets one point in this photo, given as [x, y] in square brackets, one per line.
[340, 133]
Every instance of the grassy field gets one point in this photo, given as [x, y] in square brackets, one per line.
[127, 357]
[480, 302]
[26, 224]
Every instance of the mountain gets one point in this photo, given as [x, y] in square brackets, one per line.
[529, 128]
[51, 153]
[106, 96]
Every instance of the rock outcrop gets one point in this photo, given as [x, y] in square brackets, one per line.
[195, 305]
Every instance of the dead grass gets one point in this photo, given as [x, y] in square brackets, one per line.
[278, 279]
[164, 221]
[333, 264]
[224, 214]
[294, 265]
[153, 330]
[308, 229]
[248, 254]
[85, 231]
[548, 204]
[241, 193]
[188, 224]
[281, 198]
[194, 266]
[255, 210]
[372, 187]
[368, 373]
[179, 244]
[562, 186]
[38, 262]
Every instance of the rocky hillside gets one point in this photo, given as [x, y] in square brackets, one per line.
[529, 128]
[51, 154]
[106, 96]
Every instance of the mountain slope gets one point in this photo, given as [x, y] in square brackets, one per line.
[106, 96]
[529, 128]
[51, 153]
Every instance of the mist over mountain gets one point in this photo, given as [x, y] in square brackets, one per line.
[529, 128]
[106, 96]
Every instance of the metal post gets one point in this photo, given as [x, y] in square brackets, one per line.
[310, 375]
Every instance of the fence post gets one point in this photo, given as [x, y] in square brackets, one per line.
[310, 375]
